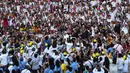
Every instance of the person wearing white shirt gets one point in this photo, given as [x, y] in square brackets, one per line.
[35, 63]
[69, 46]
[4, 59]
[88, 63]
[11, 67]
[98, 69]
[26, 70]
[125, 66]
[120, 64]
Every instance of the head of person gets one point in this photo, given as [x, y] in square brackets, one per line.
[7, 71]
[35, 55]
[120, 55]
[46, 38]
[15, 61]
[106, 62]
[13, 71]
[18, 71]
[70, 69]
[4, 51]
[98, 68]
[57, 63]
[62, 61]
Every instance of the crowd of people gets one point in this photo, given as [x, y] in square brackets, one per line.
[64, 36]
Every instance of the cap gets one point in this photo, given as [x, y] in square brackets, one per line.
[73, 49]
[30, 44]
[103, 52]
[124, 57]
[22, 45]
[97, 54]
[46, 44]
[65, 53]
[94, 40]
[93, 55]
[21, 50]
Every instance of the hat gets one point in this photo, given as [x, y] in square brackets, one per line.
[65, 53]
[22, 45]
[103, 52]
[97, 54]
[46, 44]
[94, 40]
[30, 44]
[124, 57]
[73, 49]
[21, 50]
[10, 49]
[93, 55]
[21, 29]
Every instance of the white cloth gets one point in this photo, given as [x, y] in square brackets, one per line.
[4, 59]
[41, 58]
[69, 46]
[125, 66]
[93, 3]
[10, 68]
[25, 71]
[113, 68]
[93, 32]
[96, 71]
[88, 63]
[35, 63]
[120, 63]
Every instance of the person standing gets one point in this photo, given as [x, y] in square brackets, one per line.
[35, 64]
[26, 70]
[120, 64]
[113, 66]
[125, 65]
[4, 59]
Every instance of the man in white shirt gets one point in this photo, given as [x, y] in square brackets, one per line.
[10, 68]
[35, 63]
[120, 64]
[26, 70]
[4, 59]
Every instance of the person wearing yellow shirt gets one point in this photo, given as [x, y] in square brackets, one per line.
[63, 66]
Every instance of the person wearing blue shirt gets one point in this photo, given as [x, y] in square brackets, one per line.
[46, 42]
[69, 70]
[51, 68]
[51, 71]
[47, 69]
[74, 65]
[57, 66]
[22, 64]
